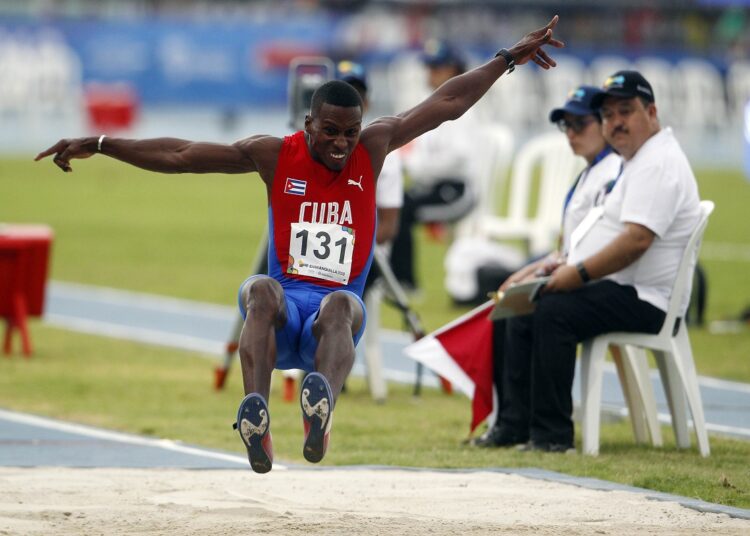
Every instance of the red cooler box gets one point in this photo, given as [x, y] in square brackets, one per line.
[24, 262]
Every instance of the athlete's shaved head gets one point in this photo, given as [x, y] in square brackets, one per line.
[336, 93]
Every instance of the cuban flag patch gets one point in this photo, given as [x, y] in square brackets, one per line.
[295, 186]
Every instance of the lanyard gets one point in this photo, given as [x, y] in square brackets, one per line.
[607, 188]
[598, 158]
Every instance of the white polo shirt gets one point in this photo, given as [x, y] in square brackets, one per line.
[446, 152]
[656, 189]
[592, 180]
[389, 192]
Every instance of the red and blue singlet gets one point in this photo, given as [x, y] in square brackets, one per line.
[321, 222]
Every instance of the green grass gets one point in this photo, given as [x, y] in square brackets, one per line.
[167, 393]
[183, 235]
[195, 237]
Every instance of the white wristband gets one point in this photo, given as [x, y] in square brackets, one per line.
[99, 145]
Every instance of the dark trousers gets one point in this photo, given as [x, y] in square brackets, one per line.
[421, 203]
[539, 354]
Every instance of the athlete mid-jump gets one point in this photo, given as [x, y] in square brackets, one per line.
[308, 312]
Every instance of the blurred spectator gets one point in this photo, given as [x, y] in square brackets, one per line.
[582, 125]
[390, 185]
[438, 165]
[619, 273]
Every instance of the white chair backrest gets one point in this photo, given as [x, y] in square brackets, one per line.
[659, 73]
[684, 279]
[515, 99]
[551, 155]
[556, 162]
[494, 151]
[407, 78]
[496, 144]
[738, 87]
[605, 65]
[703, 103]
[558, 82]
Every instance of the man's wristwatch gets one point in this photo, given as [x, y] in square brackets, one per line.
[510, 61]
[585, 277]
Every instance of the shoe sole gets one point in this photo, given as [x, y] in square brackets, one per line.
[254, 409]
[316, 401]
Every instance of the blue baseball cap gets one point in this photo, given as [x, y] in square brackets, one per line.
[351, 73]
[438, 53]
[580, 102]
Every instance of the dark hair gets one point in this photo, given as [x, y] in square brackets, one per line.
[645, 101]
[337, 93]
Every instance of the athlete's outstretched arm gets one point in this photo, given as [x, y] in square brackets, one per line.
[165, 155]
[460, 93]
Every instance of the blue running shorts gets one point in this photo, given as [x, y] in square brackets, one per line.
[295, 343]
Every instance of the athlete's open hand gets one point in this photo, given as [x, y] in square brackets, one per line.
[68, 149]
[530, 47]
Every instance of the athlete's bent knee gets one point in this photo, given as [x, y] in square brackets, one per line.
[264, 298]
[339, 309]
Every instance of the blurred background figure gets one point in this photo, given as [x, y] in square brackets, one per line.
[389, 197]
[439, 167]
[581, 124]
[140, 68]
[139, 65]
[390, 187]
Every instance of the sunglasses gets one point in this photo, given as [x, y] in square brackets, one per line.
[577, 125]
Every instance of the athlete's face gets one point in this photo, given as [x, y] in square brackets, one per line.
[333, 133]
[628, 124]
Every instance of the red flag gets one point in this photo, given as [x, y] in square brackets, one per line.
[461, 352]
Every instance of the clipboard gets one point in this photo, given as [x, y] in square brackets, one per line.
[520, 299]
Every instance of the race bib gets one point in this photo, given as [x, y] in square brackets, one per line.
[321, 250]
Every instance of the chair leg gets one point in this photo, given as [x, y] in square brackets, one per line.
[19, 303]
[373, 352]
[8, 337]
[592, 368]
[638, 365]
[673, 389]
[683, 352]
[629, 384]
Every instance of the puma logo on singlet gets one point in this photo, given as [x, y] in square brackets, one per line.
[355, 183]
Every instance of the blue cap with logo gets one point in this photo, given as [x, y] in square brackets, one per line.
[579, 102]
[625, 85]
[352, 73]
[438, 53]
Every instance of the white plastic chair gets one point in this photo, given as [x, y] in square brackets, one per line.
[605, 65]
[515, 99]
[373, 353]
[674, 357]
[537, 226]
[494, 147]
[494, 152]
[558, 82]
[660, 74]
[738, 88]
[408, 82]
[704, 104]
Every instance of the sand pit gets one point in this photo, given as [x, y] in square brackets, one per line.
[35, 501]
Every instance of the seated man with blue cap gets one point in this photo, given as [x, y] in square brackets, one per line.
[581, 123]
